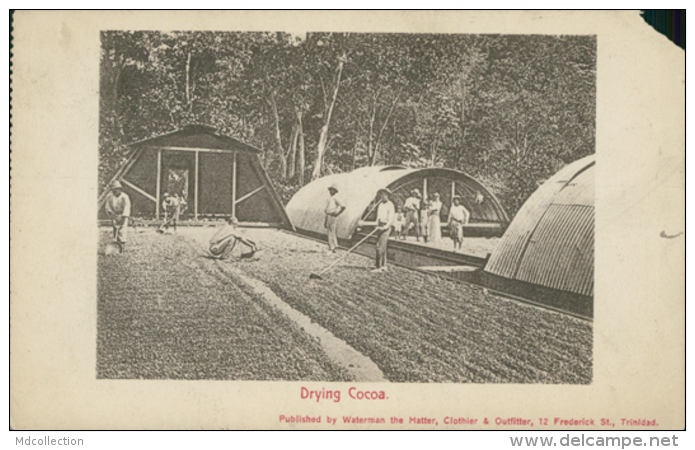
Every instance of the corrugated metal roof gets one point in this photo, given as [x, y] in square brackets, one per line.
[551, 240]
[358, 188]
[560, 252]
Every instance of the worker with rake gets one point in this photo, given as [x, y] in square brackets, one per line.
[385, 217]
[225, 239]
[458, 216]
[117, 208]
[334, 208]
[173, 206]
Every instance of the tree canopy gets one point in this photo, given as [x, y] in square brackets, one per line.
[509, 110]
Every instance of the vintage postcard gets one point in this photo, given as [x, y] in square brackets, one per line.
[347, 220]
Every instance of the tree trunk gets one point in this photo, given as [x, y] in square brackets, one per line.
[462, 150]
[278, 136]
[354, 154]
[292, 163]
[323, 137]
[370, 137]
[377, 145]
[188, 79]
[300, 156]
[434, 148]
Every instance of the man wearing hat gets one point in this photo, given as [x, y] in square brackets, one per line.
[173, 206]
[117, 208]
[385, 216]
[412, 208]
[334, 208]
[458, 216]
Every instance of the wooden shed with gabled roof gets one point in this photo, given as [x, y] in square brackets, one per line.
[216, 175]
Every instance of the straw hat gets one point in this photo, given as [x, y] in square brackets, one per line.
[386, 190]
[333, 187]
[116, 185]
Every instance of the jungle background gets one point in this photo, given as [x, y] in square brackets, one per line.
[509, 110]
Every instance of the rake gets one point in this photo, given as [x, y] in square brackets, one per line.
[317, 276]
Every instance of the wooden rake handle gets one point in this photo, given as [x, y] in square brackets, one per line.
[348, 251]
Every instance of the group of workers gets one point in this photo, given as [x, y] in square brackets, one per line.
[421, 214]
[222, 244]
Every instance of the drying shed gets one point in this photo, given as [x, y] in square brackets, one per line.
[550, 242]
[358, 190]
[217, 176]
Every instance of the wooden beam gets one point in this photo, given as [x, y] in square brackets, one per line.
[197, 175]
[159, 182]
[424, 188]
[234, 185]
[121, 172]
[254, 192]
[138, 190]
[191, 149]
[453, 190]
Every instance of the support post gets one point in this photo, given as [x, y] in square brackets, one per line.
[453, 190]
[197, 175]
[424, 188]
[159, 181]
[234, 185]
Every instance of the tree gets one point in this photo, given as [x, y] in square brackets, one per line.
[510, 110]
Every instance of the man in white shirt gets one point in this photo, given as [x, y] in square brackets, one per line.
[117, 207]
[411, 207]
[458, 216]
[385, 216]
[334, 208]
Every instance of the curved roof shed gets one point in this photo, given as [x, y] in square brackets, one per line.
[358, 190]
[550, 242]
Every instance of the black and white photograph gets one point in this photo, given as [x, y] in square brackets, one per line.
[346, 220]
[424, 201]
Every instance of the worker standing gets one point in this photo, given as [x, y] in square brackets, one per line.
[334, 208]
[385, 216]
[117, 207]
[412, 211]
[424, 218]
[435, 224]
[458, 216]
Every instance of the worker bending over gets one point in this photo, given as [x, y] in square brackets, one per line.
[225, 239]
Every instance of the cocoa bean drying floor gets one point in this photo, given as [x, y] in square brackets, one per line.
[164, 312]
[415, 327]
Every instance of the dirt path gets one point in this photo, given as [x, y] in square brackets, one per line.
[361, 367]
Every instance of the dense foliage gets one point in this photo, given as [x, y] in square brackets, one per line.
[508, 109]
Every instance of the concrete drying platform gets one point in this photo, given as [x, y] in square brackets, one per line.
[474, 246]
